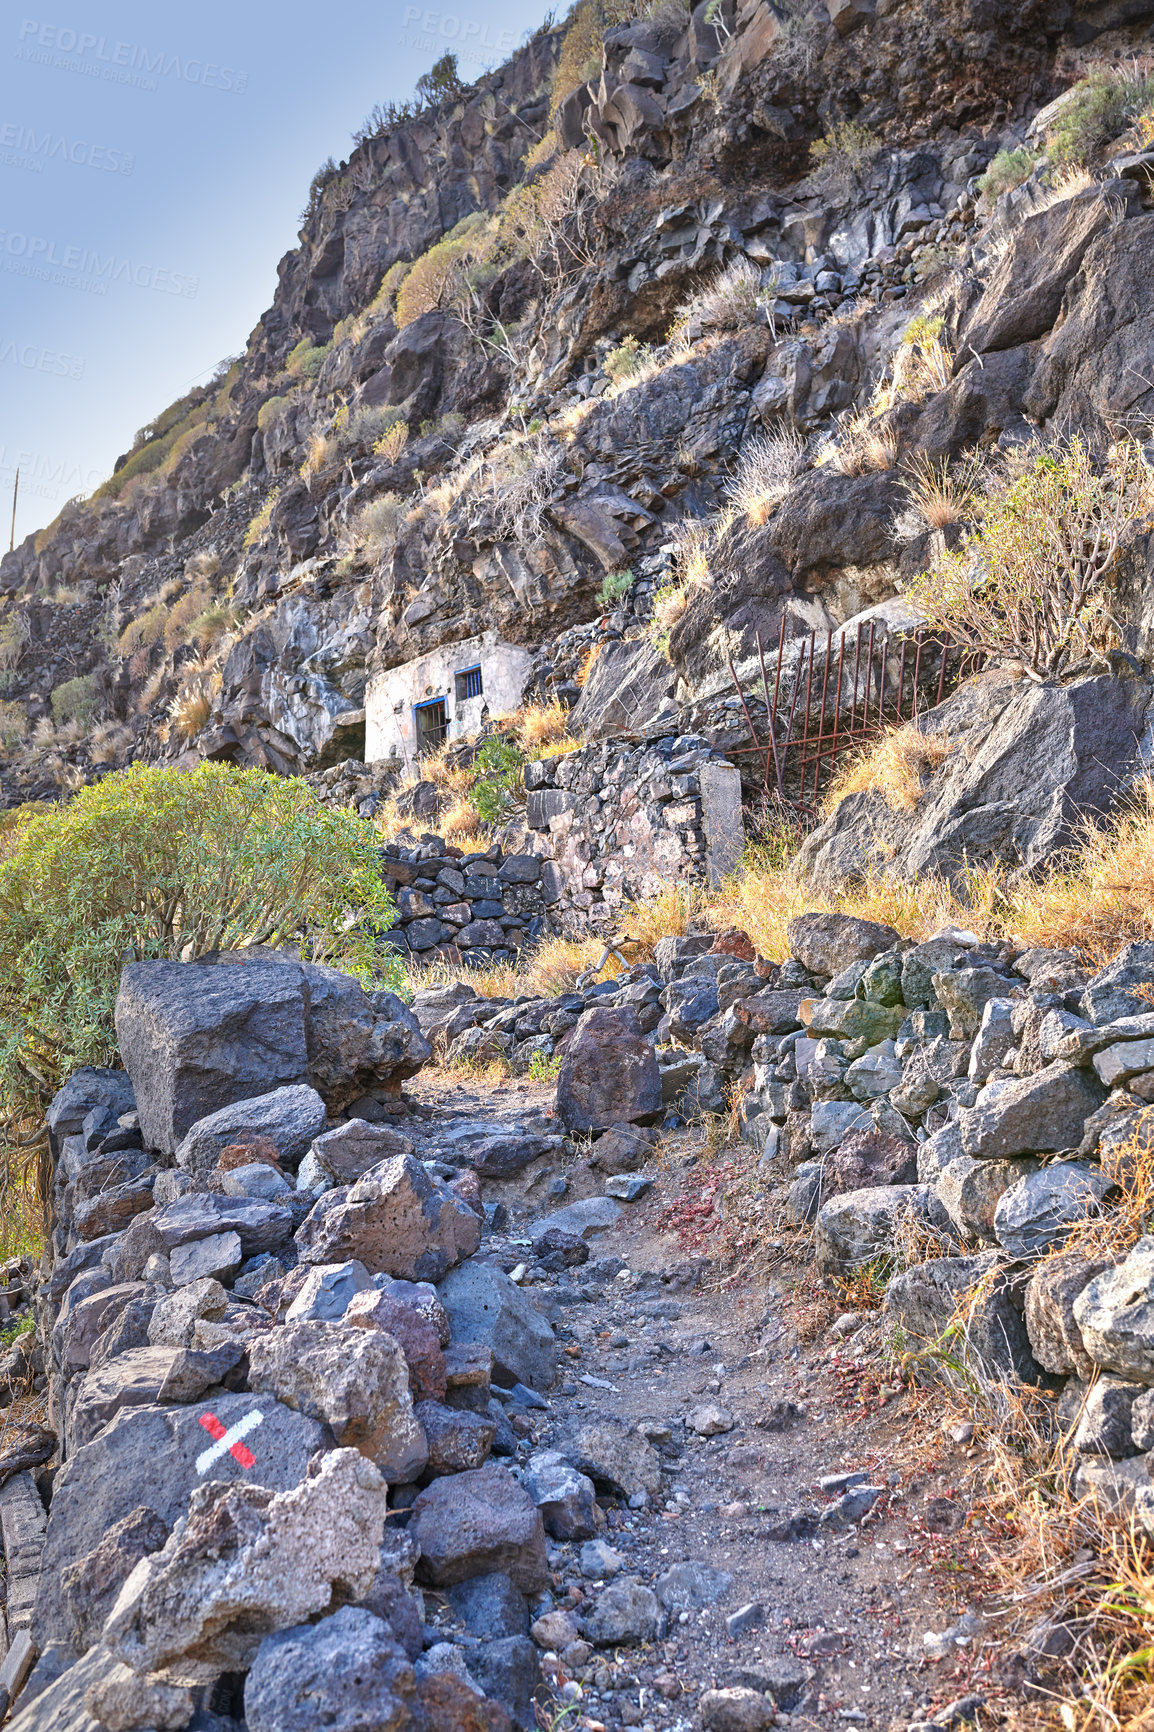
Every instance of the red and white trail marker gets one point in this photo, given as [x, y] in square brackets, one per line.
[228, 1442]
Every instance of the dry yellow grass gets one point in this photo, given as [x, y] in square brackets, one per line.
[864, 446]
[1096, 898]
[318, 453]
[894, 766]
[587, 663]
[666, 915]
[542, 725]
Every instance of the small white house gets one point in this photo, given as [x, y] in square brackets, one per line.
[452, 691]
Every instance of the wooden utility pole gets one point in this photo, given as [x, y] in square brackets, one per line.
[12, 531]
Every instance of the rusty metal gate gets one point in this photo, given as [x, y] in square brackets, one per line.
[839, 699]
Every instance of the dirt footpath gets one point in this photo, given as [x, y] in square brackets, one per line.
[758, 1391]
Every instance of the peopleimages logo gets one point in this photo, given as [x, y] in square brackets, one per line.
[82, 268]
[44, 477]
[24, 147]
[128, 63]
[38, 360]
[470, 33]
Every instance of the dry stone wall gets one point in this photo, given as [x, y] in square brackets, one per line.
[602, 825]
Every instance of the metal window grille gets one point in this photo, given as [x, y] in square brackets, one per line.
[469, 684]
[432, 725]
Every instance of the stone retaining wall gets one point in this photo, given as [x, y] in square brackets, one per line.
[604, 824]
[620, 821]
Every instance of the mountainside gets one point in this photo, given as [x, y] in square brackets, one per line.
[530, 338]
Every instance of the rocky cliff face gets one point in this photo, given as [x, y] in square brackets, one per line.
[422, 441]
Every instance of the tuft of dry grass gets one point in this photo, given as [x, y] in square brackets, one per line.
[764, 474]
[894, 766]
[542, 725]
[669, 914]
[941, 493]
[192, 706]
[587, 663]
[864, 447]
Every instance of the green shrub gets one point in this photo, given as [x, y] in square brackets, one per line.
[498, 763]
[75, 701]
[306, 359]
[1031, 584]
[1007, 170]
[159, 863]
[843, 154]
[440, 81]
[440, 277]
[614, 585]
[261, 519]
[1103, 106]
[626, 359]
[269, 410]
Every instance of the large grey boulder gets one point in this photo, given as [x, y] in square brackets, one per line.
[929, 1297]
[609, 1073]
[101, 1484]
[139, 1377]
[613, 1455]
[91, 1088]
[827, 943]
[1115, 1313]
[1035, 1214]
[195, 1038]
[346, 1673]
[970, 1192]
[328, 1291]
[349, 1151]
[1110, 994]
[90, 1587]
[566, 1498]
[260, 1226]
[857, 1226]
[474, 1523]
[484, 1306]
[289, 1117]
[354, 1380]
[417, 1337]
[1027, 763]
[1055, 1336]
[1046, 1111]
[396, 1220]
[289, 1556]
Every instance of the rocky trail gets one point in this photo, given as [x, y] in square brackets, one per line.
[428, 1409]
[804, 1528]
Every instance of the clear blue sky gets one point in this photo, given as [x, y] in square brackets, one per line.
[163, 154]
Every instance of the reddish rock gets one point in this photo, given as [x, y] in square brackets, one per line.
[417, 1337]
[867, 1158]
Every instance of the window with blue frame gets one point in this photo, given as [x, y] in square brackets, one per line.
[469, 684]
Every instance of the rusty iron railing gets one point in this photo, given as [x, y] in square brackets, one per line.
[808, 727]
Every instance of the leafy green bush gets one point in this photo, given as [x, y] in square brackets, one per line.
[1102, 106]
[306, 359]
[492, 795]
[439, 81]
[1031, 584]
[161, 863]
[626, 359]
[75, 701]
[1007, 170]
[614, 585]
